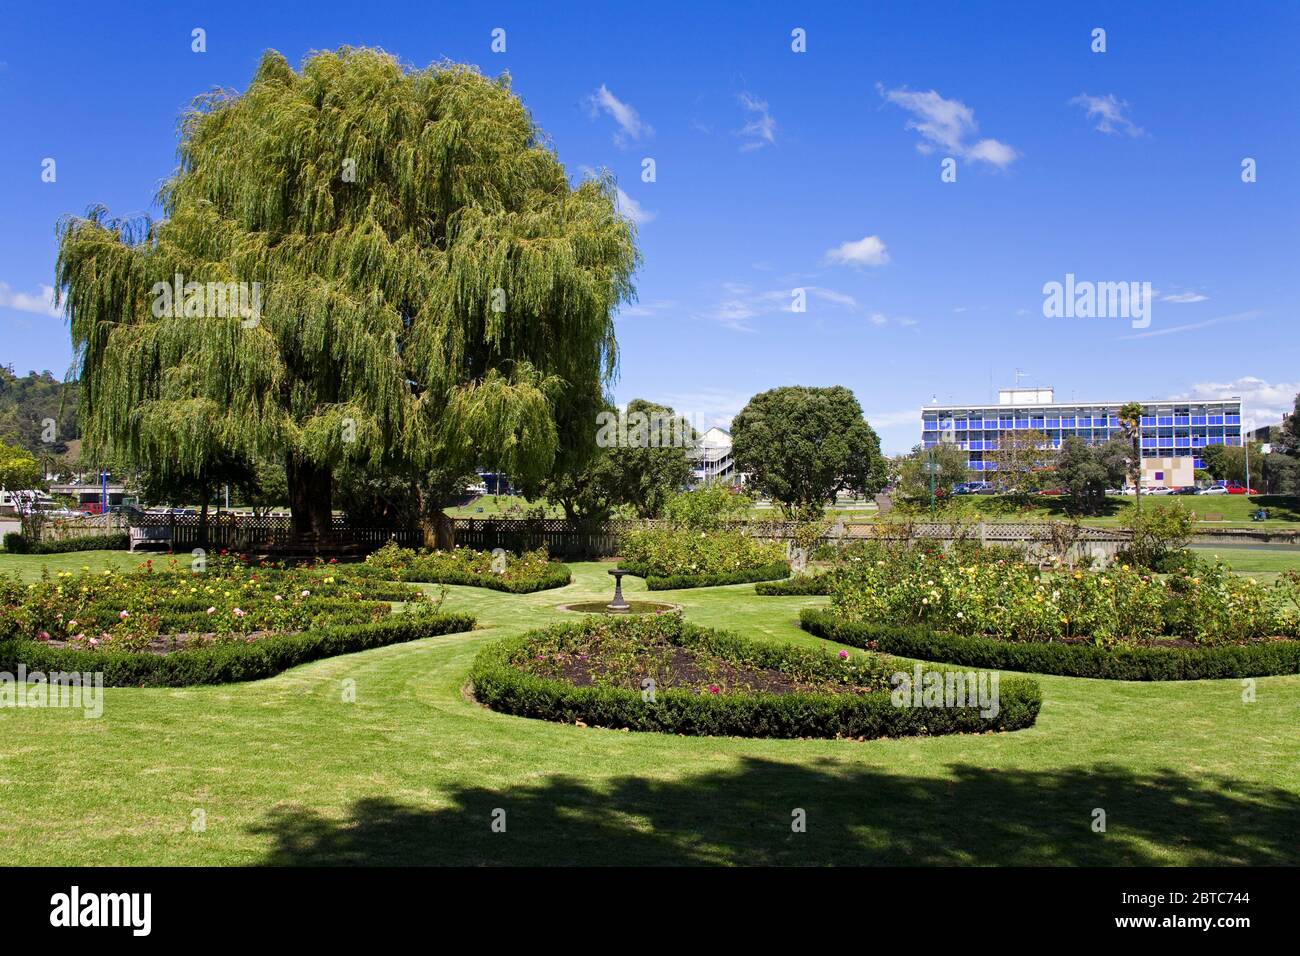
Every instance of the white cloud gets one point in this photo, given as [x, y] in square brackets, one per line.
[706, 408]
[948, 124]
[1262, 403]
[760, 128]
[741, 303]
[904, 416]
[41, 303]
[1184, 297]
[868, 251]
[654, 307]
[1191, 326]
[1108, 112]
[630, 125]
[631, 209]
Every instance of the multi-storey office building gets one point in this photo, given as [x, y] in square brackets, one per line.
[1174, 432]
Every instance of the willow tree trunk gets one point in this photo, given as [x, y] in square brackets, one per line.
[311, 497]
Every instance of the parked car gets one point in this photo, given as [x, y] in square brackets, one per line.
[1183, 491]
[1160, 491]
[1214, 490]
[1237, 488]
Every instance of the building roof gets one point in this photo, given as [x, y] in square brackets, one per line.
[1144, 404]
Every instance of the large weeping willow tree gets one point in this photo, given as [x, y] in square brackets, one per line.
[433, 293]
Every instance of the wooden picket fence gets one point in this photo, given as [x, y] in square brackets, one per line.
[560, 537]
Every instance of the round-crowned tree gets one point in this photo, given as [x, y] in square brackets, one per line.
[801, 446]
[358, 263]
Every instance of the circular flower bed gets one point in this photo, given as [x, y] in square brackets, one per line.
[660, 673]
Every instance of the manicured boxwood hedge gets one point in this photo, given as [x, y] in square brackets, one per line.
[801, 585]
[677, 582]
[1068, 660]
[503, 687]
[228, 662]
[17, 543]
[555, 576]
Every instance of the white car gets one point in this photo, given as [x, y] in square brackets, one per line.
[1216, 490]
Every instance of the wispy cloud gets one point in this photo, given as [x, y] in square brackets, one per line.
[867, 251]
[645, 309]
[1184, 297]
[631, 128]
[1174, 330]
[741, 303]
[40, 303]
[631, 209]
[1108, 113]
[760, 128]
[949, 124]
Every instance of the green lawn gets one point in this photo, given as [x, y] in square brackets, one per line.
[285, 772]
[1214, 511]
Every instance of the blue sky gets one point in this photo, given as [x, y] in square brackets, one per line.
[778, 170]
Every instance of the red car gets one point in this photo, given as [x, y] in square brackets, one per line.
[1237, 488]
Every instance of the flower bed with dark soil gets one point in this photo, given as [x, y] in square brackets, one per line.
[660, 673]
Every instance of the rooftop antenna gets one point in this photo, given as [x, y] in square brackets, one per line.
[1020, 373]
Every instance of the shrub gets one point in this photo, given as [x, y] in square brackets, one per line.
[1261, 659]
[678, 582]
[508, 676]
[230, 661]
[1159, 530]
[17, 543]
[517, 574]
[803, 585]
[668, 552]
[1017, 602]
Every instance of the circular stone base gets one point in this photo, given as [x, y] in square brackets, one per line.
[633, 607]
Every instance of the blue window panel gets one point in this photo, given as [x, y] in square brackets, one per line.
[1053, 423]
[1214, 440]
[1167, 420]
[990, 466]
[1035, 423]
[1182, 443]
[1216, 419]
[1182, 420]
[1230, 440]
[929, 444]
[1113, 421]
[976, 446]
[1199, 420]
[1234, 420]
[1067, 422]
[961, 423]
[1197, 463]
[1022, 422]
[1148, 420]
[1148, 443]
[1198, 441]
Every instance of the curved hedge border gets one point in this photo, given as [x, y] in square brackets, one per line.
[678, 582]
[504, 688]
[802, 585]
[556, 576]
[18, 543]
[1067, 660]
[228, 662]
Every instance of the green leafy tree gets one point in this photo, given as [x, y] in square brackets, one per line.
[801, 446]
[912, 481]
[712, 505]
[1158, 533]
[1084, 472]
[646, 473]
[1024, 461]
[431, 292]
[1288, 434]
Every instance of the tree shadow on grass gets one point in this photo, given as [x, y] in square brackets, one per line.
[855, 816]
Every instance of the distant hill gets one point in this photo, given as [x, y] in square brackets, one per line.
[27, 402]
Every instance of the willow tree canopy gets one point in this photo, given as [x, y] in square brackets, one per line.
[421, 287]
